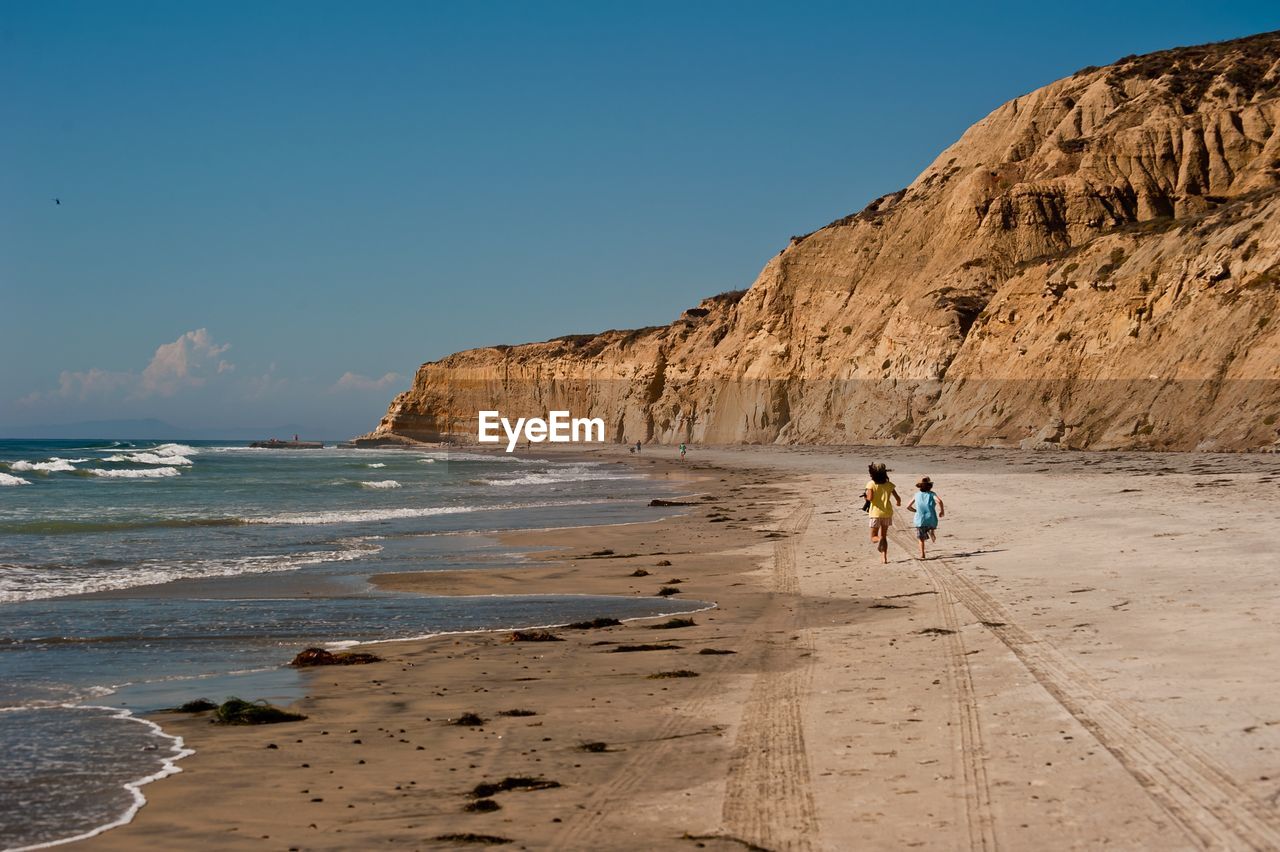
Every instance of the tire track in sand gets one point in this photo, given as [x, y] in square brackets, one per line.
[1207, 803]
[768, 800]
[972, 753]
[588, 829]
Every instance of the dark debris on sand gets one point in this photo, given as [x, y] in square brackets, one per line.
[676, 673]
[200, 705]
[533, 636]
[472, 837]
[321, 657]
[674, 623]
[487, 789]
[237, 711]
[623, 649]
[593, 624]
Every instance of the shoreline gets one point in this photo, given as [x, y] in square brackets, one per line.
[864, 706]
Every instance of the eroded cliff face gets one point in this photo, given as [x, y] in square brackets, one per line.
[1093, 265]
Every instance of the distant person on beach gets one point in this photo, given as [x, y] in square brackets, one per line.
[637, 446]
[928, 508]
[880, 491]
[682, 450]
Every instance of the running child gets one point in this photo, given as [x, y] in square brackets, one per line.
[928, 508]
[879, 492]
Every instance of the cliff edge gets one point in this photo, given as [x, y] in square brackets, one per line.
[1095, 264]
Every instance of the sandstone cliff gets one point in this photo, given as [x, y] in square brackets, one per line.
[1094, 264]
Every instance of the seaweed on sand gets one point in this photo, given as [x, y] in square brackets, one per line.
[482, 806]
[673, 623]
[623, 649]
[200, 705]
[472, 837]
[468, 720]
[593, 624]
[321, 657]
[487, 789]
[533, 636]
[237, 711]
[667, 591]
[517, 712]
[676, 673]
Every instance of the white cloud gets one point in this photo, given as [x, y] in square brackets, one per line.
[179, 364]
[350, 381]
[184, 363]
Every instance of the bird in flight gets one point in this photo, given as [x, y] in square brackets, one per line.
[57, 201]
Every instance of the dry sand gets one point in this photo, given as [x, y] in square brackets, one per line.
[1087, 659]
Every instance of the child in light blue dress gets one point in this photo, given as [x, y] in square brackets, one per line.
[928, 508]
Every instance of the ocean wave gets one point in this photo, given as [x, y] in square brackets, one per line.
[557, 476]
[144, 473]
[376, 464]
[53, 465]
[381, 483]
[150, 458]
[60, 527]
[25, 584]
[168, 765]
[459, 455]
[351, 516]
[9, 479]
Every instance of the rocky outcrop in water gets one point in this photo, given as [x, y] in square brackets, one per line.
[1095, 264]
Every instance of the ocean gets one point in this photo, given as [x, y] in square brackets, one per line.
[137, 575]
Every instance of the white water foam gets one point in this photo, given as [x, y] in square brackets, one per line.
[53, 465]
[358, 515]
[576, 473]
[18, 584]
[169, 766]
[9, 479]
[376, 464]
[382, 483]
[144, 473]
[149, 458]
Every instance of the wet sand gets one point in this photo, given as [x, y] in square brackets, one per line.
[1086, 660]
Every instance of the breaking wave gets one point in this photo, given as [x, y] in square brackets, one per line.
[53, 465]
[143, 473]
[25, 583]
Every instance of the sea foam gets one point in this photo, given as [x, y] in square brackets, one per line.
[26, 584]
[144, 473]
[53, 465]
[358, 515]
[381, 483]
[9, 479]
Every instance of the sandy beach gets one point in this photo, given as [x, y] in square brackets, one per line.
[1086, 660]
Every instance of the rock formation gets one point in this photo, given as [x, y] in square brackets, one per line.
[1093, 265]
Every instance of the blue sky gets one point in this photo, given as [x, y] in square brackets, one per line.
[260, 199]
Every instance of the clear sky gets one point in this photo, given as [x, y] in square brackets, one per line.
[273, 212]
